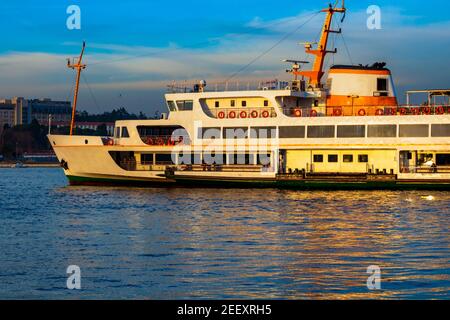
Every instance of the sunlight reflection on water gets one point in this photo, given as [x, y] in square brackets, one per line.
[184, 243]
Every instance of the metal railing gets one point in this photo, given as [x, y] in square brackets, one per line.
[166, 140]
[425, 169]
[340, 111]
[242, 113]
[187, 87]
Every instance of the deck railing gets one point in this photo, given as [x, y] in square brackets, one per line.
[243, 113]
[158, 140]
[187, 87]
[425, 169]
[340, 111]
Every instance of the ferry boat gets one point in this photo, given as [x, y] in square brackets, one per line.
[347, 131]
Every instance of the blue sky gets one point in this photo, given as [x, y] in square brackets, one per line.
[136, 46]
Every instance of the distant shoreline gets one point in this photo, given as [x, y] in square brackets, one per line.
[31, 165]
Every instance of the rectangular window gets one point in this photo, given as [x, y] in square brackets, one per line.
[186, 105]
[233, 103]
[163, 159]
[147, 158]
[332, 158]
[382, 84]
[117, 132]
[347, 158]
[171, 105]
[214, 158]
[414, 130]
[235, 133]
[266, 103]
[264, 159]
[320, 131]
[318, 158]
[292, 132]
[263, 132]
[217, 104]
[240, 158]
[125, 133]
[244, 103]
[351, 131]
[440, 130]
[382, 131]
[208, 133]
[363, 158]
[443, 159]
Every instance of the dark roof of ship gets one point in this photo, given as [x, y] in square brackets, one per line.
[375, 66]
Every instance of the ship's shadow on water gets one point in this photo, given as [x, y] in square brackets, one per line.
[218, 243]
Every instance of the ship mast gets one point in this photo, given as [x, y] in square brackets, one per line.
[315, 75]
[76, 66]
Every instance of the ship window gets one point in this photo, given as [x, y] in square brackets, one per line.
[117, 132]
[217, 104]
[171, 105]
[213, 158]
[382, 84]
[266, 103]
[347, 158]
[363, 158]
[264, 159]
[147, 158]
[414, 130]
[208, 133]
[318, 158]
[332, 158]
[125, 133]
[185, 105]
[382, 131]
[163, 159]
[443, 159]
[233, 103]
[235, 133]
[440, 130]
[263, 132]
[292, 132]
[351, 131]
[240, 158]
[244, 103]
[320, 131]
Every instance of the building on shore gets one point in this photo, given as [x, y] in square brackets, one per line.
[18, 111]
[109, 126]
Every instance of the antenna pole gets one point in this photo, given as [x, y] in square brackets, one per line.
[315, 75]
[79, 67]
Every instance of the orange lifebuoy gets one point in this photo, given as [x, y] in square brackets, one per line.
[379, 112]
[313, 113]
[402, 111]
[265, 114]
[337, 112]
[298, 113]
[415, 111]
[221, 115]
[393, 111]
[362, 112]
[232, 115]
[426, 110]
[243, 114]
[254, 114]
[440, 110]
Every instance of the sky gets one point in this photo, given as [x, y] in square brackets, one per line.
[136, 47]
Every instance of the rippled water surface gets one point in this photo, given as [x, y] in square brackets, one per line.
[198, 243]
